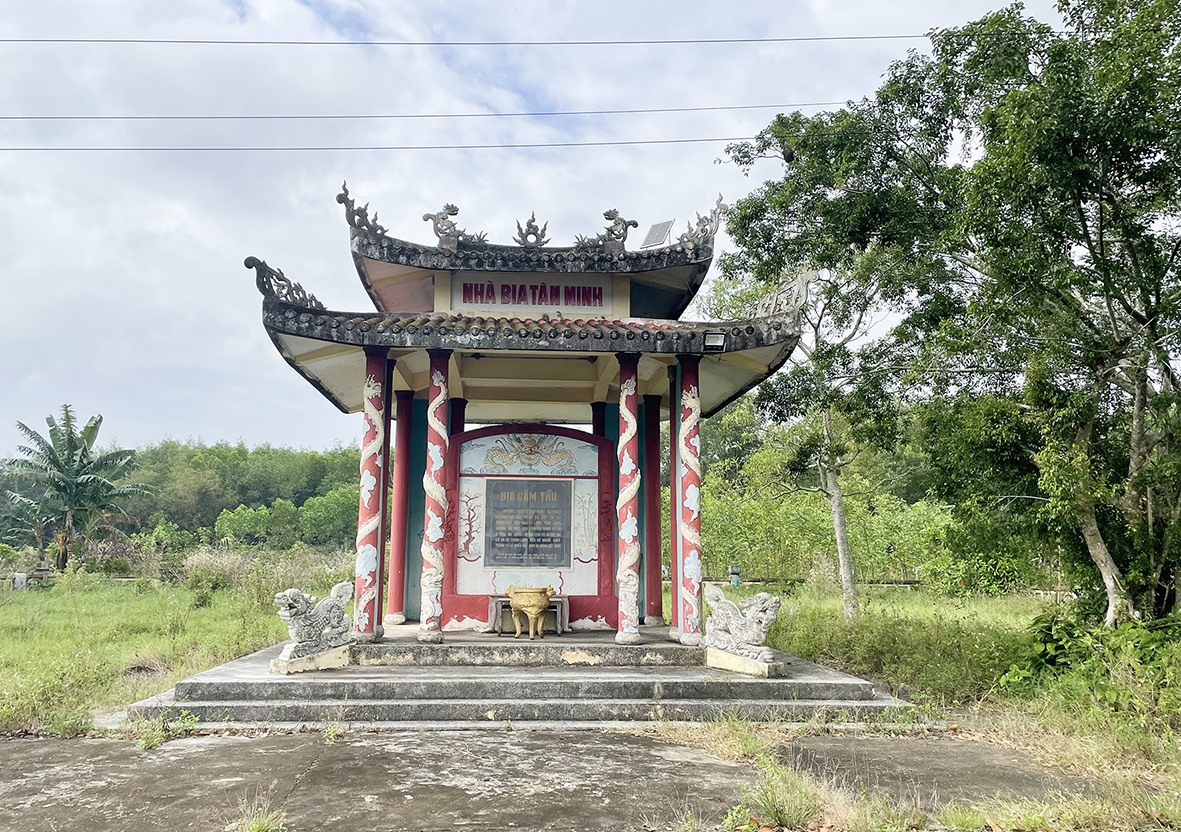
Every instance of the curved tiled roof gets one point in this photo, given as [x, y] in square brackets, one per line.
[458, 250]
[418, 331]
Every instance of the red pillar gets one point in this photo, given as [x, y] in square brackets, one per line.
[373, 483]
[430, 628]
[458, 416]
[383, 534]
[690, 509]
[400, 475]
[653, 597]
[674, 501]
[599, 418]
[627, 506]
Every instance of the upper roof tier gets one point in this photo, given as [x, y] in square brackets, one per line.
[402, 276]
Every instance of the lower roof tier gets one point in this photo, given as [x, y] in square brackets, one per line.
[509, 369]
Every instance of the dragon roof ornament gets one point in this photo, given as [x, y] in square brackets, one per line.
[702, 233]
[358, 218]
[272, 283]
[612, 240]
[450, 235]
[458, 249]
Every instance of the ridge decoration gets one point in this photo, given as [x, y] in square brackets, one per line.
[702, 233]
[273, 283]
[612, 240]
[531, 236]
[450, 235]
[358, 218]
[788, 299]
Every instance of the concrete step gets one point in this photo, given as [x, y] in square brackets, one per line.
[481, 682]
[554, 651]
[503, 710]
[517, 683]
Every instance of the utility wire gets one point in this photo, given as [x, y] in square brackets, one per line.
[327, 117]
[322, 148]
[662, 42]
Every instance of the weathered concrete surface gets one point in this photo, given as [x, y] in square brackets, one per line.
[476, 780]
[931, 772]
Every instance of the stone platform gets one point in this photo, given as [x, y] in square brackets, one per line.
[470, 679]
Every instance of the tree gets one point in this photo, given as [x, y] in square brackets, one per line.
[243, 525]
[832, 387]
[1025, 181]
[331, 518]
[78, 489]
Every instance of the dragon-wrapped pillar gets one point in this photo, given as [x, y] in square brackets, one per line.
[430, 629]
[689, 464]
[627, 505]
[373, 483]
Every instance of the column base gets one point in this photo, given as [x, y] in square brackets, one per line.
[674, 634]
[364, 637]
[393, 619]
[430, 636]
[378, 632]
[624, 637]
[691, 639]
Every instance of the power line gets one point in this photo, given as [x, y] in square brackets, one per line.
[375, 116]
[323, 148]
[660, 42]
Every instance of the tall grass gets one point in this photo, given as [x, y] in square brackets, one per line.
[92, 643]
[932, 650]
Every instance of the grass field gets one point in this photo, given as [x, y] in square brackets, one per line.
[90, 644]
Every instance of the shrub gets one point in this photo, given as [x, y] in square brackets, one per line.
[9, 558]
[939, 653]
[166, 536]
[283, 526]
[243, 525]
[1132, 671]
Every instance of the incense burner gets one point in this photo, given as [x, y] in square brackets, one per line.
[532, 602]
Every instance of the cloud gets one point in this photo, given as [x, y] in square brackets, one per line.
[121, 272]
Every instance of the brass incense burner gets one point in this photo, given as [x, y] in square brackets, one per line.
[532, 602]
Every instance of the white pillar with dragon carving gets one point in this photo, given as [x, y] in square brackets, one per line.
[430, 629]
[367, 590]
[689, 459]
[627, 505]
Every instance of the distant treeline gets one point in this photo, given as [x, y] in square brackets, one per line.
[201, 493]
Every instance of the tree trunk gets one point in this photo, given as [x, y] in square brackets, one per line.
[830, 480]
[1119, 603]
[840, 526]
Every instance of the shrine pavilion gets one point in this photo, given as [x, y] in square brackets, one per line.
[565, 359]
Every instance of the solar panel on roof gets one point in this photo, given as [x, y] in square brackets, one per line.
[657, 234]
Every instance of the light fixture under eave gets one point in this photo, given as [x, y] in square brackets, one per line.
[715, 341]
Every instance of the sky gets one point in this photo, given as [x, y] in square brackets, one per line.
[121, 274]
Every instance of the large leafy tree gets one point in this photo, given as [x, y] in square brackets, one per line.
[76, 488]
[1024, 181]
[831, 389]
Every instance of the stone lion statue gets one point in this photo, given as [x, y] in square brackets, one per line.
[314, 626]
[740, 628]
